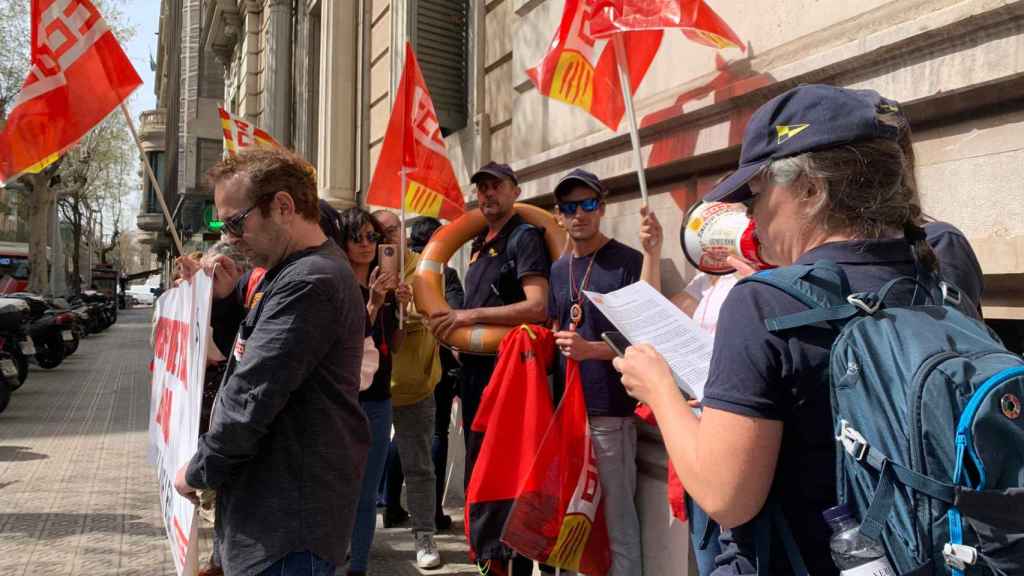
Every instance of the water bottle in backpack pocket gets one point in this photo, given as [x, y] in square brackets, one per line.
[926, 403]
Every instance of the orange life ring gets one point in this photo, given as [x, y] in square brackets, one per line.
[428, 285]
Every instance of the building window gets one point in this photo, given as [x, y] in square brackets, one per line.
[211, 76]
[208, 152]
[441, 39]
[156, 162]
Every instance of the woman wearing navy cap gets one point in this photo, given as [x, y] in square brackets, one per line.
[824, 176]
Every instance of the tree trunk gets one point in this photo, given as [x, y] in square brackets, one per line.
[76, 246]
[41, 200]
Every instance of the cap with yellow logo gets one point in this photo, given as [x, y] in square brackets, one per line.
[806, 118]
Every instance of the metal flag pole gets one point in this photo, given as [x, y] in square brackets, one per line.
[401, 246]
[152, 180]
[627, 98]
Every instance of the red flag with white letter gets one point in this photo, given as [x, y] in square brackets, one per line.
[413, 143]
[581, 70]
[79, 74]
[558, 515]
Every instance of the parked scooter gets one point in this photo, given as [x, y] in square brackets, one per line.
[49, 329]
[14, 340]
[102, 307]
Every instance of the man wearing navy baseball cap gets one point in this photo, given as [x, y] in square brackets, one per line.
[506, 284]
[599, 264]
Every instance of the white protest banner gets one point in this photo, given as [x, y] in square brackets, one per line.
[179, 363]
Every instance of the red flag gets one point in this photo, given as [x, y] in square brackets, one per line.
[413, 143]
[558, 515]
[582, 70]
[676, 492]
[516, 399]
[694, 17]
[79, 74]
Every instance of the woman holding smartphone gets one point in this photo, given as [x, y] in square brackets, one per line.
[382, 292]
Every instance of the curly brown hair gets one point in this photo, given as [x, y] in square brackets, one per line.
[272, 170]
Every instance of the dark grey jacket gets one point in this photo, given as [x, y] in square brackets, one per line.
[287, 442]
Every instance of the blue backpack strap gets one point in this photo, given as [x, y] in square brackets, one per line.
[823, 287]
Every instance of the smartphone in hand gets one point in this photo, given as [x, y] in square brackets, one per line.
[387, 260]
[617, 341]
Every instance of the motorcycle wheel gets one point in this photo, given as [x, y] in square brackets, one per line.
[20, 360]
[5, 393]
[71, 347]
[51, 353]
[22, 363]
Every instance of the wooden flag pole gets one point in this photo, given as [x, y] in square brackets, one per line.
[627, 98]
[152, 180]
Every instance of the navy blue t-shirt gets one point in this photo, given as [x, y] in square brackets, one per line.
[781, 376]
[617, 265]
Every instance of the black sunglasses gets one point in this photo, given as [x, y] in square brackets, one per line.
[374, 237]
[588, 205]
[235, 225]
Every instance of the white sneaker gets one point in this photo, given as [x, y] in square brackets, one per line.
[427, 555]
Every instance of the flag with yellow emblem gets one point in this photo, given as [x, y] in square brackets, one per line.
[240, 135]
[413, 143]
[580, 67]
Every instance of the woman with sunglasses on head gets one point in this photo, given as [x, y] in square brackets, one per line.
[361, 234]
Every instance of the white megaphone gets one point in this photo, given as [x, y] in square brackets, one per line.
[713, 231]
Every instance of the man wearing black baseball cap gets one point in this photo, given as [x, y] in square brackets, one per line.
[599, 264]
[506, 284]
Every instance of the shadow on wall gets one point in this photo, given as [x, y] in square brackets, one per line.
[733, 79]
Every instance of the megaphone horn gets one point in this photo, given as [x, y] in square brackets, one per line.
[713, 231]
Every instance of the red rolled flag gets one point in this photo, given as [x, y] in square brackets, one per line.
[558, 515]
[78, 75]
[516, 398]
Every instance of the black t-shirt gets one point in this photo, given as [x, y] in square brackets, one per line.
[493, 278]
[383, 332]
[957, 261]
[616, 265]
[782, 376]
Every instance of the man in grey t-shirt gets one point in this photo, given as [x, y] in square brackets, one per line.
[287, 439]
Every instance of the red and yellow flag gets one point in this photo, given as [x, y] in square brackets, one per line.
[78, 75]
[695, 18]
[581, 68]
[240, 135]
[413, 143]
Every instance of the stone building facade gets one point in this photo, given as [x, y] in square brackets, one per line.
[956, 65]
[320, 76]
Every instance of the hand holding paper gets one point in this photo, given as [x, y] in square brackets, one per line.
[643, 315]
